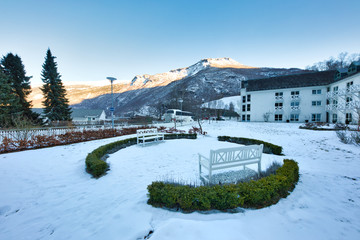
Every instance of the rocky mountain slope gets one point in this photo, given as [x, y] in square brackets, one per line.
[152, 93]
[206, 80]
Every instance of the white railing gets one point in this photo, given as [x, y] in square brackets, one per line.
[332, 107]
[295, 97]
[353, 89]
[353, 105]
[278, 109]
[17, 134]
[332, 94]
[295, 108]
[279, 98]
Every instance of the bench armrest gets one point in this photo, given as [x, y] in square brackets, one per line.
[202, 156]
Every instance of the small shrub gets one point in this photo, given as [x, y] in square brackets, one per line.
[253, 194]
[355, 137]
[271, 169]
[340, 126]
[268, 147]
[97, 167]
[343, 137]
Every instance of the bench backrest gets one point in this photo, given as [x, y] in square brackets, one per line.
[146, 132]
[236, 154]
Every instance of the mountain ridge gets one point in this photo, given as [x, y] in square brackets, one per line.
[209, 79]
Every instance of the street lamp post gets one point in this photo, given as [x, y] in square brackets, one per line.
[181, 101]
[112, 101]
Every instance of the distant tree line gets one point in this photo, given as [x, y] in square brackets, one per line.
[343, 60]
[15, 89]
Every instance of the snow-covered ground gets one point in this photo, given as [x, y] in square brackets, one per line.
[46, 193]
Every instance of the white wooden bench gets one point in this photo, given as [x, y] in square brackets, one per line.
[148, 134]
[229, 158]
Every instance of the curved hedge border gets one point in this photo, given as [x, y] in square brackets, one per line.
[254, 194]
[95, 161]
[268, 147]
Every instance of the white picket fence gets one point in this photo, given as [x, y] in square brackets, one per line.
[15, 134]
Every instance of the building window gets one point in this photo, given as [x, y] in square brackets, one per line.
[243, 108]
[295, 104]
[243, 118]
[349, 84]
[348, 118]
[295, 95]
[248, 108]
[348, 102]
[294, 117]
[278, 106]
[328, 89]
[316, 103]
[279, 95]
[334, 118]
[336, 89]
[327, 101]
[248, 117]
[248, 98]
[316, 117]
[244, 99]
[278, 117]
[316, 91]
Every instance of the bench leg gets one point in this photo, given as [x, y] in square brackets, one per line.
[259, 168]
[210, 174]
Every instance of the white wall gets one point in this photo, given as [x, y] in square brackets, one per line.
[264, 101]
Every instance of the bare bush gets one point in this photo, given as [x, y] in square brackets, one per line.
[343, 136]
[355, 138]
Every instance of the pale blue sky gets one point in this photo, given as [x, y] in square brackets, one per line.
[95, 39]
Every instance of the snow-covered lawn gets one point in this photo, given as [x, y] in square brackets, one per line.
[46, 193]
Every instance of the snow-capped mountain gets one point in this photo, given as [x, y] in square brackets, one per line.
[208, 79]
[163, 79]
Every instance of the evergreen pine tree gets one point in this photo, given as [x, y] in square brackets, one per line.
[56, 104]
[20, 84]
[10, 107]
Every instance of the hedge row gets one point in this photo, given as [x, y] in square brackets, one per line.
[268, 147]
[254, 194]
[95, 161]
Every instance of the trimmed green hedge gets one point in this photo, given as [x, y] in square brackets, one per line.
[95, 162]
[268, 147]
[254, 194]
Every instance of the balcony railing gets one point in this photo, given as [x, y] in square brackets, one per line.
[279, 98]
[353, 105]
[295, 97]
[353, 89]
[279, 109]
[295, 108]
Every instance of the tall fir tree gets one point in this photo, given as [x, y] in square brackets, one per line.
[20, 84]
[10, 107]
[56, 104]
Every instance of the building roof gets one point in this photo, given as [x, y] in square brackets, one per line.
[292, 81]
[356, 63]
[77, 113]
[342, 70]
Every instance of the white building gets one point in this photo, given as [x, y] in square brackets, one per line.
[81, 116]
[88, 116]
[329, 96]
